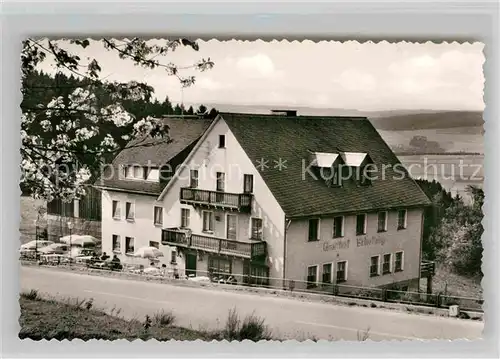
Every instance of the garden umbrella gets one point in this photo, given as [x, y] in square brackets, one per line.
[35, 243]
[54, 248]
[80, 240]
[148, 252]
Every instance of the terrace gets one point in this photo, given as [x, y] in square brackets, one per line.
[241, 202]
[253, 250]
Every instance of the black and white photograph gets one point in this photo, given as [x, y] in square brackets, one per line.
[188, 189]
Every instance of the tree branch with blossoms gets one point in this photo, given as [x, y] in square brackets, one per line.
[67, 138]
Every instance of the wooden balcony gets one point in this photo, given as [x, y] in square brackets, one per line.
[249, 250]
[241, 202]
[427, 268]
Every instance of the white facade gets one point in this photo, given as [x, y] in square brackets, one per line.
[208, 158]
[141, 228]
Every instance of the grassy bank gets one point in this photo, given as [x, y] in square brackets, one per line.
[78, 319]
[445, 281]
[43, 318]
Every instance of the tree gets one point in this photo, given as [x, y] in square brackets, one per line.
[178, 110]
[457, 239]
[433, 215]
[190, 110]
[201, 110]
[213, 113]
[66, 138]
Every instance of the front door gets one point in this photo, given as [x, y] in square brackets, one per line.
[191, 260]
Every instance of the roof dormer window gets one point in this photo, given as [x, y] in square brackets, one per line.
[361, 165]
[329, 166]
[141, 173]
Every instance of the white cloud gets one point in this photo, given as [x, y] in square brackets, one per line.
[330, 74]
[355, 80]
[425, 61]
[207, 83]
[259, 64]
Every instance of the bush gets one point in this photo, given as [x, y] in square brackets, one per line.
[363, 336]
[163, 319]
[232, 325]
[31, 295]
[251, 328]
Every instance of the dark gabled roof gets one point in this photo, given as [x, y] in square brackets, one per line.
[183, 132]
[271, 138]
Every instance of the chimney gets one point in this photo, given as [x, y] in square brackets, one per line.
[287, 113]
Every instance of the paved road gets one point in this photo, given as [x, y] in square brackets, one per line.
[208, 308]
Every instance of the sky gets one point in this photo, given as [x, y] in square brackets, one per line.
[343, 75]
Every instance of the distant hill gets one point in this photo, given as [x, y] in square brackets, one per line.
[392, 120]
[420, 121]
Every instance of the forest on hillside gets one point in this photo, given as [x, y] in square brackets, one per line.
[453, 229]
[40, 90]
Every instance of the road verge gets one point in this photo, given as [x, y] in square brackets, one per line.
[324, 298]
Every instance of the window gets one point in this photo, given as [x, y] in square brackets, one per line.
[313, 229]
[232, 226]
[327, 273]
[124, 171]
[184, 218]
[220, 182]
[260, 275]
[247, 183]
[398, 263]
[138, 172]
[129, 245]
[336, 178]
[145, 173]
[338, 227]
[312, 276]
[154, 244]
[386, 266]
[382, 221]
[257, 229]
[374, 266]
[218, 265]
[116, 209]
[158, 220]
[208, 221]
[153, 174]
[402, 219]
[116, 243]
[129, 171]
[341, 271]
[193, 180]
[173, 257]
[360, 224]
[129, 211]
[365, 176]
[222, 141]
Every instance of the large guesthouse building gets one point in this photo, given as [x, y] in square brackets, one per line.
[267, 198]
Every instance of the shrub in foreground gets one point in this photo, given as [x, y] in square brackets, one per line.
[250, 328]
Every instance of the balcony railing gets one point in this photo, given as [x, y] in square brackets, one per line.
[235, 201]
[248, 250]
[427, 268]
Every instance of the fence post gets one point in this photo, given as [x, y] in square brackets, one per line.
[384, 294]
[438, 300]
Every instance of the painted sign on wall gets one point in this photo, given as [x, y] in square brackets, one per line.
[333, 246]
[370, 241]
